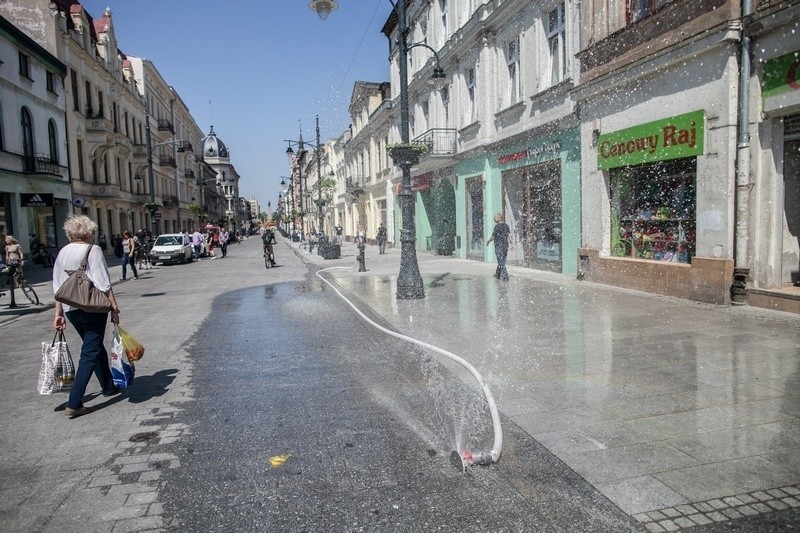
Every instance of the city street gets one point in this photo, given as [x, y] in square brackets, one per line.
[264, 403]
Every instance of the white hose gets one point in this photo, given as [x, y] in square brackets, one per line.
[498, 430]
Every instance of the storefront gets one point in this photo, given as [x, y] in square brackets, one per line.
[34, 209]
[775, 234]
[434, 210]
[651, 174]
[536, 185]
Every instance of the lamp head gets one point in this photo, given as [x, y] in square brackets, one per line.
[323, 8]
[438, 78]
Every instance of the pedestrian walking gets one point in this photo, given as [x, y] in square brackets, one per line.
[339, 231]
[224, 236]
[101, 240]
[382, 236]
[14, 253]
[197, 244]
[128, 255]
[500, 237]
[91, 327]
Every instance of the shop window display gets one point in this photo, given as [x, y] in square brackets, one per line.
[653, 211]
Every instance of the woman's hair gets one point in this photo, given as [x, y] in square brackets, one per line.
[127, 234]
[80, 228]
[12, 239]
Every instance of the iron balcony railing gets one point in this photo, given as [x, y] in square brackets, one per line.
[164, 124]
[440, 141]
[40, 164]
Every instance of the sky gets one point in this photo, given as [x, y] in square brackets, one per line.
[257, 69]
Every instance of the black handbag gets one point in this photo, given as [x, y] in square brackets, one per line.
[78, 291]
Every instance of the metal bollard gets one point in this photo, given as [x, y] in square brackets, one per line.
[361, 259]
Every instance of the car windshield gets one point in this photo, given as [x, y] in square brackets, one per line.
[168, 240]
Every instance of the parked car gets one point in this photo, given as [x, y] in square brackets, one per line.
[169, 248]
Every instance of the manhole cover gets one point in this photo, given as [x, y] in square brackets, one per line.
[142, 437]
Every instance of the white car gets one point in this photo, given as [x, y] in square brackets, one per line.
[169, 248]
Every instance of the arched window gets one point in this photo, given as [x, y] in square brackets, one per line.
[52, 137]
[27, 139]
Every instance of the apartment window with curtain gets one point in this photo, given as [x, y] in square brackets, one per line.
[513, 64]
[444, 93]
[52, 138]
[556, 43]
[472, 108]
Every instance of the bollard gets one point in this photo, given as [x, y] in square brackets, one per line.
[11, 269]
[361, 266]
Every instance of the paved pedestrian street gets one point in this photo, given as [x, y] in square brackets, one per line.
[680, 414]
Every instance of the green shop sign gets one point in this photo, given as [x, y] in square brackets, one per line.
[780, 75]
[662, 140]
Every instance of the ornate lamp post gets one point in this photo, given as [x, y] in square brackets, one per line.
[300, 154]
[152, 205]
[409, 281]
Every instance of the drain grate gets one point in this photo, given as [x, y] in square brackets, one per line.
[143, 437]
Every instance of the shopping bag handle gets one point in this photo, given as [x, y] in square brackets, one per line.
[59, 335]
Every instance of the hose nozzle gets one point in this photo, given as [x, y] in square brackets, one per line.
[467, 459]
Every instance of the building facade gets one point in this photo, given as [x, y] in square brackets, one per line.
[34, 177]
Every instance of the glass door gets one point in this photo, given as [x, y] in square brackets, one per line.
[474, 212]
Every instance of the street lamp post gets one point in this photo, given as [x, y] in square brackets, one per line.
[289, 205]
[152, 205]
[300, 154]
[409, 281]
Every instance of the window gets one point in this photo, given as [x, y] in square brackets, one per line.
[76, 104]
[639, 9]
[100, 104]
[425, 106]
[472, 112]
[88, 89]
[445, 95]
[81, 169]
[653, 211]
[512, 62]
[2, 130]
[52, 138]
[127, 126]
[24, 65]
[443, 11]
[51, 82]
[115, 116]
[28, 151]
[556, 43]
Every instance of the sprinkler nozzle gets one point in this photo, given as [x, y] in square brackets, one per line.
[466, 459]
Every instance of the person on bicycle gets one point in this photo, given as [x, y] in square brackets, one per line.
[268, 238]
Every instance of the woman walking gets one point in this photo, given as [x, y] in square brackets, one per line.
[128, 255]
[91, 327]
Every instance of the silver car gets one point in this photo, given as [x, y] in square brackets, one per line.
[170, 248]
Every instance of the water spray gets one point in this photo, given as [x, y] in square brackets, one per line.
[463, 459]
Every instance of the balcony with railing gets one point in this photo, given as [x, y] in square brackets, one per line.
[40, 164]
[165, 124]
[187, 146]
[355, 186]
[440, 142]
[169, 201]
[167, 160]
[189, 174]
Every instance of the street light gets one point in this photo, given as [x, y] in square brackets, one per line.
[152, 205]
[300, 154]
[409, 281]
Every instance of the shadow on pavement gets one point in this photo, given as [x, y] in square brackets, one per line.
[145, 388]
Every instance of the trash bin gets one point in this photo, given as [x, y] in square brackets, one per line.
[330, 251]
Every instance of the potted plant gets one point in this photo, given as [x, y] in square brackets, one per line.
[407, 154]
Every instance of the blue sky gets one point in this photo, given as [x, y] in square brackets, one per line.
[263, 65]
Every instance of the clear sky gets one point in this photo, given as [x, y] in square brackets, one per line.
[263, 65]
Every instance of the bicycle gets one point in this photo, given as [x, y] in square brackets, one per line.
[14, 275]
[269, 256]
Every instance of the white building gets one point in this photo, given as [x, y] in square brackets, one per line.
[34, 179]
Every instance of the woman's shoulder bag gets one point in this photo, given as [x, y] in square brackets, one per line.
[79, 291]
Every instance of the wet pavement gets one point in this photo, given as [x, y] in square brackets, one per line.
[681, 414]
